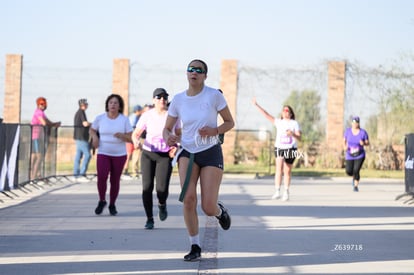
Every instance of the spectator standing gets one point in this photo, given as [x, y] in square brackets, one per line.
[109, 132]
[40, 134]
[81, 137]
[197, 109]
[355, 138]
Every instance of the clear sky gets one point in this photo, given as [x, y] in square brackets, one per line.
[77, 34]
[91, 33]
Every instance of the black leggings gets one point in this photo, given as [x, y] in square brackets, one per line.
[158, 166]
[352, 167]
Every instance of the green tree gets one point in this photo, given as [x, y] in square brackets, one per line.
[306, 107]
[393, 91]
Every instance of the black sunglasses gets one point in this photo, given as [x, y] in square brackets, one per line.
[196, 70]
[165, 97]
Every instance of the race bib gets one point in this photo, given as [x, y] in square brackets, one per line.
[158, 145]
[354, 151]
[286, 140]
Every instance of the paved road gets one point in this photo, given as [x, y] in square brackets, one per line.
[324, 229]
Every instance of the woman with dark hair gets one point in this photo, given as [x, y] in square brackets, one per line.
[197, 109]
[288, 132]
[114, 130]
[355, 138]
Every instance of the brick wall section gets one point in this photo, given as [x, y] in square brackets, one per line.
[120, 81]
[13, 88]
[228, 84]
[66, 154]
[336, 95]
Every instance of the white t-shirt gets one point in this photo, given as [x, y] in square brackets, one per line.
[282, 140]
[154, 123]
[195, 112]
[107, 127]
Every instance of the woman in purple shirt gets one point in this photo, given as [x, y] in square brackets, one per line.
[355, 138]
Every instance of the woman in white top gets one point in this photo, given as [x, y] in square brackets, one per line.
[288, 132]
[114, 130]
[197, 108]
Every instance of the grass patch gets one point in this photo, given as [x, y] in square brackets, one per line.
[312, 172]
[365, 173]
[265, 170]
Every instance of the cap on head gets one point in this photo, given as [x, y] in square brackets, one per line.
[159, 91]
[41, 101]
[83, 101]
[137, 108]
[356, 119]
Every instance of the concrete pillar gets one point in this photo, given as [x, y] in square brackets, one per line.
[336, 96]
[13, 88]
[228, 84]
[120, 81]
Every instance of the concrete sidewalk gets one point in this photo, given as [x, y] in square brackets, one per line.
[325, 228]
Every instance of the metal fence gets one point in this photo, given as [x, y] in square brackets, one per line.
[18, 156]
[252, 151]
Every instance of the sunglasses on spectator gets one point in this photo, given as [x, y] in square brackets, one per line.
[165, 97]
[196, 70]
[286, 110]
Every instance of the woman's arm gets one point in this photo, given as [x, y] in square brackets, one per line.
[136, 136]
[228, 122]
[296, 134]
[169, 136]
[94, 136]
[126, 137]
[263, 111]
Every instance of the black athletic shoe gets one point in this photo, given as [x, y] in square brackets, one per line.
[224, 219]
[100, 207]
[356, 189]
[194, 255]
[163, 214]
[112, 210]
[149, 224]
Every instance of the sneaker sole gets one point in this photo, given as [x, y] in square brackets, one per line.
[162, 217]
[225, 210]
[193, 260]
[149, 227]
[99, 211]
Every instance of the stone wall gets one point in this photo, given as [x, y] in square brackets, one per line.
[335, 105]
[12, 88]
[228, 84]
[120, 81]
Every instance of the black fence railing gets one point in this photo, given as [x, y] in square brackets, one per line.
[24, 160]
